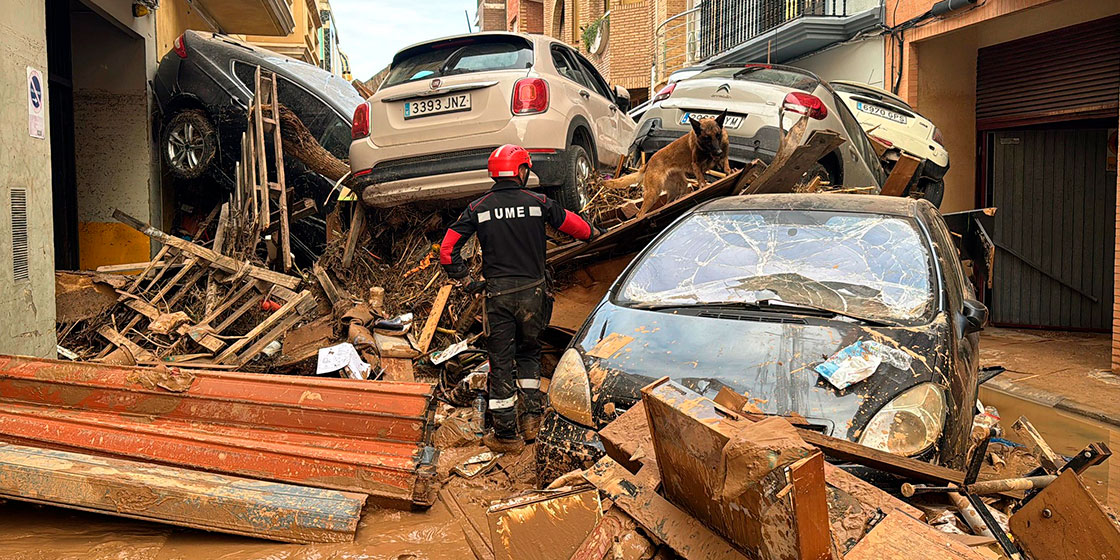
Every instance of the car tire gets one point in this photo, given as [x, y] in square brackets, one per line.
[579, 170]
[934, 192]
[188, 144]
[818, 169]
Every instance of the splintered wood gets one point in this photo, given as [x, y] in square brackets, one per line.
[150, 325]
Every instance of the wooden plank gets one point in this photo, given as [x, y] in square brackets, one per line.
[328, 285]
[278, 152]
[783, 174]
[518, 525]
[194, 279]
[398, 369]
[244, 308]
[870, 496]
[357, 227]
[433, 318]
[810, 508]
[264, 325]
[259, 156]
[144, 308]
[275, 333]
[477, 540]
[627, 439]
[393, 346]
[900, 536]
[635, 495]
[118, 339]
[888, 462]
[1050, 461]
[131, 267]
[227, 264]
[158, 261]
[1065, 521]
[229, 301]
[187, 498]
[297, 211]
[900, 176]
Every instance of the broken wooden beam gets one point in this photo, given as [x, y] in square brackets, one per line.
[783, 174]
[212, 502]
[433, 318]
[357, 228]
[1051, 462]
[1065, 521]
[227, 264]
[901, 175]
[901, 536]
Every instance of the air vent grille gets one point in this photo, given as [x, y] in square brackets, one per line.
[752, 317]
[20, 270]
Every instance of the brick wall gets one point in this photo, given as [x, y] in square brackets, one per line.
[631, 26]
[1116, 287]
[513, 13]
[492, 15]
[531, 16]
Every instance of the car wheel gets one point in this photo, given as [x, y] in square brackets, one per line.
[579, 172]
[188, 144]
[818, 170]
[934, 192]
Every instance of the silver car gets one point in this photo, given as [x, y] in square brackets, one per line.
[760, 98]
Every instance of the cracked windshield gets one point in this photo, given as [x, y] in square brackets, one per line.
[861, 265]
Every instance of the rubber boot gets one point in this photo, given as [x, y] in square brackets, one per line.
[502, 445]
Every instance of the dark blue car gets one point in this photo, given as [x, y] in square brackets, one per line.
[852, 311]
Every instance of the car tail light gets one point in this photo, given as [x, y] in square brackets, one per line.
[530, 95]
[180, 46]
[360, 128]
[665, 92]
[937, 137]
[805, 104]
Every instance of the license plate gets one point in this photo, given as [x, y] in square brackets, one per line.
[731, 121]
[880, 112]
[437, 105]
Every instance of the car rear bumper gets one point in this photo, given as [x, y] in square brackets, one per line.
[564, 446]
[763, 145]
[450, 177]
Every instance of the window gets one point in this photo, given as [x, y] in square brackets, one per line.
[764, 75]
[592, 78]
[459, 56]
[858, 137]
[563, 63]
[867, 265]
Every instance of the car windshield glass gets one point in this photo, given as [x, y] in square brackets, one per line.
[864, 265]
[763, 75]
[855, 90]
[459, 57]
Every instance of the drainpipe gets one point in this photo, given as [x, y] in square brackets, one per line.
[898, 31]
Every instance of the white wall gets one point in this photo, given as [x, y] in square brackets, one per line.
[27, 307]
[860, 61]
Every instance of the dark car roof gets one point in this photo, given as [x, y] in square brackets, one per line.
[873, 204]
[333, 89]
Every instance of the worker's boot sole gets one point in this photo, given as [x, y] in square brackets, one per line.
[501, 445]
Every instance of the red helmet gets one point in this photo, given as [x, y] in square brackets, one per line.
[507, 160]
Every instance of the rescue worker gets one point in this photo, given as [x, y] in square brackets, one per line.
[510, 223]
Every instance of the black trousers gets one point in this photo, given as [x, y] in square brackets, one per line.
[515, 320]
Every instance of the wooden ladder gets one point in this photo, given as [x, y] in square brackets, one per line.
[265, 97]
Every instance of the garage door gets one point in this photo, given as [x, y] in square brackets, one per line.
[1054, 231]
[1060, 75]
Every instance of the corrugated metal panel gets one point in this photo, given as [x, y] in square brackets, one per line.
[1058, 75]
[1054, 229]
[361, 436]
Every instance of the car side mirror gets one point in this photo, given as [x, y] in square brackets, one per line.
[621, 98]
[975, 315]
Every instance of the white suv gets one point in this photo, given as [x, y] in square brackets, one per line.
[446, 104]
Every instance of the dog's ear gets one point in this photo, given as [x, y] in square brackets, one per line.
[722, 116]
[696, 126]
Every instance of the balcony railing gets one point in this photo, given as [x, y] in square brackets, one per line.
[726, 24]
[676, 45]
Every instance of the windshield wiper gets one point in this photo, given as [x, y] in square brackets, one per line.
[776, 306]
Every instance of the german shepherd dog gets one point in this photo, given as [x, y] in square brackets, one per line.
[698, 152]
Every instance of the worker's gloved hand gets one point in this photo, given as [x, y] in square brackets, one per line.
[474, 286]
[596, 231]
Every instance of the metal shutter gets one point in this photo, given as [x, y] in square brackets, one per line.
[1070, 73]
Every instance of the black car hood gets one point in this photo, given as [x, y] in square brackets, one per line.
[771, 362]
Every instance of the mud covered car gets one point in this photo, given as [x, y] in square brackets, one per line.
[765, 294]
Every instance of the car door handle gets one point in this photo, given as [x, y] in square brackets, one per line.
[583, 93]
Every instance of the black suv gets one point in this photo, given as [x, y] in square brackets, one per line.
[204, 86]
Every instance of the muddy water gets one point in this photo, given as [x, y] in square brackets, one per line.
[1067, 434]
[31, 532]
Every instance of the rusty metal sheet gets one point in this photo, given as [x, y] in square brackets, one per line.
[360, 436]
[213, 502]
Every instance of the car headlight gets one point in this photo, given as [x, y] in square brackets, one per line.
[570, 389]
[910, 423]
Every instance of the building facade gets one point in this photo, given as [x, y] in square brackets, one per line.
[1027, 93]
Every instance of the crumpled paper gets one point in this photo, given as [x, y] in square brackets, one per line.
[342, 356]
